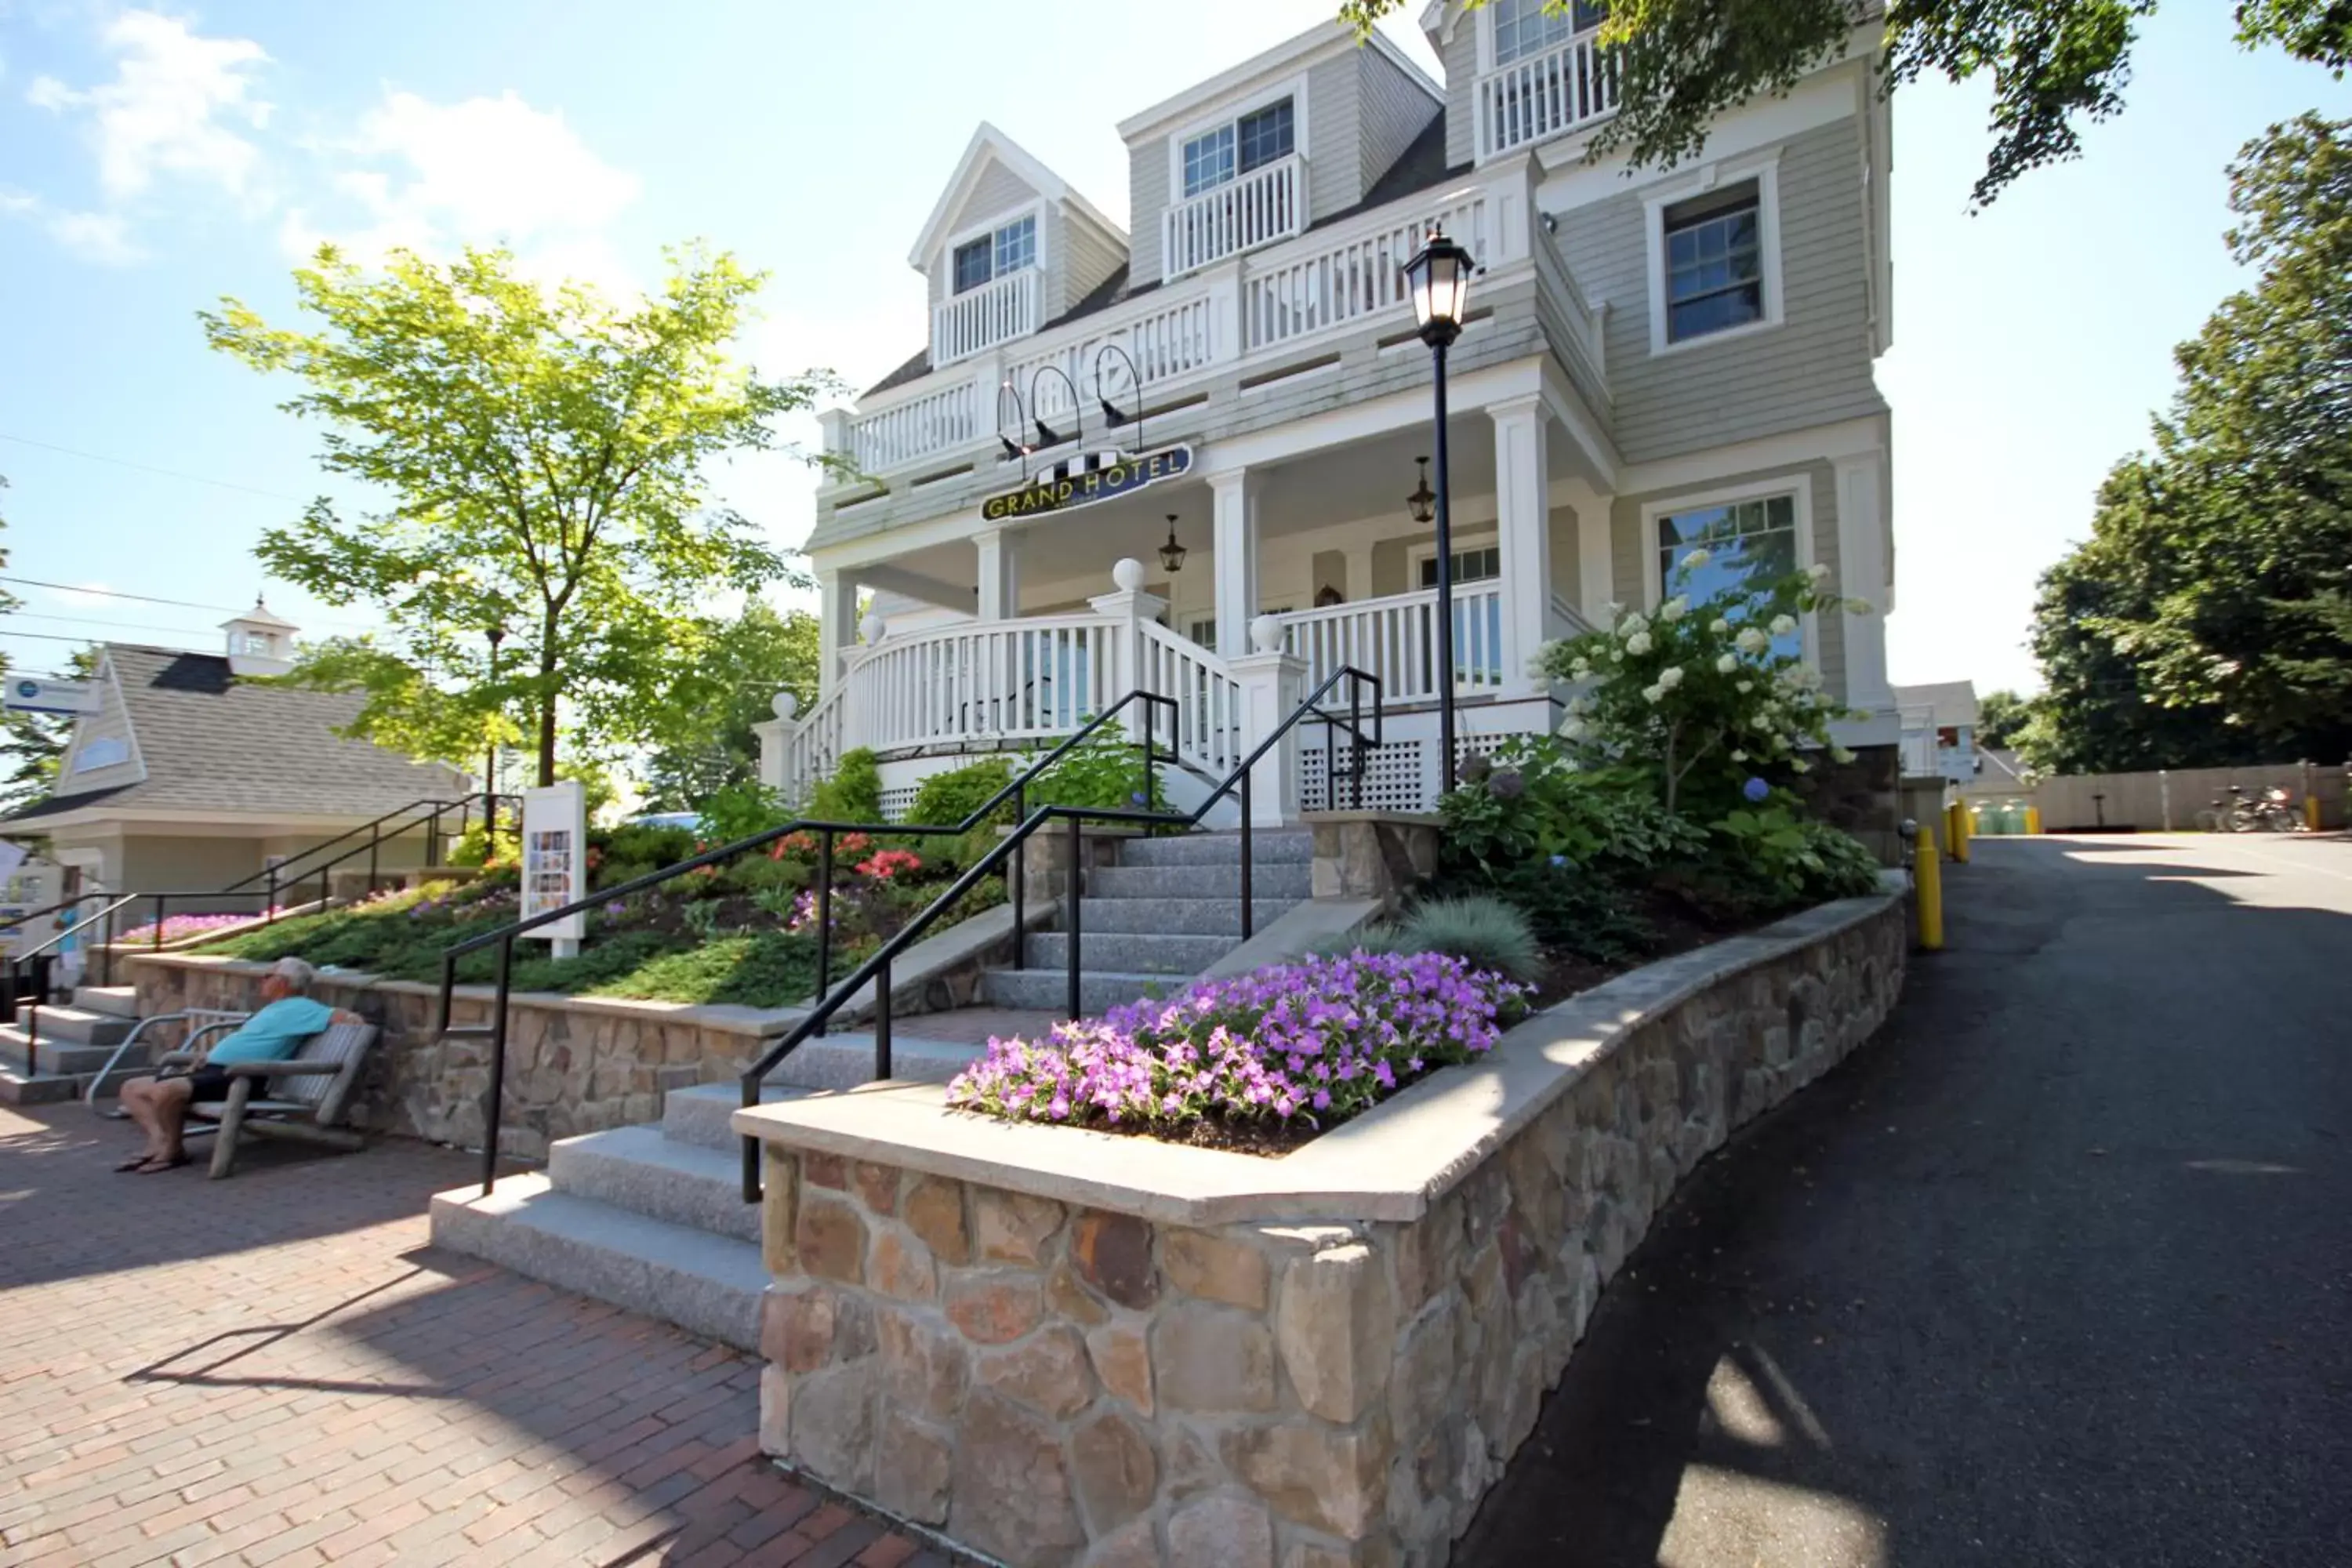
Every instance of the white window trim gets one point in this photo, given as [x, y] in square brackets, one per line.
[1798, 485]
[962, 237]
[1765, 169]
[1486, 61]
[1293, 88]
[1472, 539]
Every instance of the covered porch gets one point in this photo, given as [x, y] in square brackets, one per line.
[1299, 543]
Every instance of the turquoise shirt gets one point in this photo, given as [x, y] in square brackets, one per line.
[275, 1033]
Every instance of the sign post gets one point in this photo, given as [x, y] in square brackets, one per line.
[555, 861]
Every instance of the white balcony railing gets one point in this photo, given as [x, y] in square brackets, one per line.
[1354, 275]
[980, 318]
[1546, 95]
[1392, 638]
[1260, 206]
[936, 421]
[999, 680]
[1332, 279]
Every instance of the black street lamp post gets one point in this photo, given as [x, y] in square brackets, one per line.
[497, 634]
[1439, 276]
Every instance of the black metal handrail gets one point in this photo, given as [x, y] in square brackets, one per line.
[278, 880]
[1015, 790]
[876, 970]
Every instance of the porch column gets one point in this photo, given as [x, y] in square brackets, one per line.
[1233, 497]
[836, 628]
[1273, 683]
[1523, 530]
[1128, 607]
[1000, 574]
[1596, 562]
[1864, 572]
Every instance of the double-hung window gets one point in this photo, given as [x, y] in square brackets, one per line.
[1221, 155]
[1715, 262]
[1478, 624]
[1524, 27]
[1750, 545]
[998, 255]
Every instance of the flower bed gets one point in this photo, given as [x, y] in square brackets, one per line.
[180, 928]
[1261, 1062]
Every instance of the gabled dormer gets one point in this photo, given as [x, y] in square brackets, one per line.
[1009, 247]
[1270, 148]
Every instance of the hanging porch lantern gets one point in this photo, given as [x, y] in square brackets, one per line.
[1171, 554]
[1422, 505]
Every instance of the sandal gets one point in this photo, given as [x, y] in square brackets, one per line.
[156, 1167]
[132, 1164]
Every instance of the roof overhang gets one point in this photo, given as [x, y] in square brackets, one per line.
[1322, 41]
[988, 143]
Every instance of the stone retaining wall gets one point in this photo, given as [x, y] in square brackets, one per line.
[575, 1063]
[1065, 1348]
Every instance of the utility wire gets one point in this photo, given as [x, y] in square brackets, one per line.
[60, 636]
[152, 599]
[152, 468]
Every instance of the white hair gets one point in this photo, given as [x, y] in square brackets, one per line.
[297, 974]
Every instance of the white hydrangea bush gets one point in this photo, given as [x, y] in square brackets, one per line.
[1697, 694]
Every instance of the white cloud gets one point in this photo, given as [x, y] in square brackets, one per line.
[102, 237]
[176, 106]
[431, 177]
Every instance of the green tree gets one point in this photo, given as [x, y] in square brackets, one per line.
[703, 741]
[2000, 716]
[2055, 64]
[30, 743]
[543, 452]
[2208, 618]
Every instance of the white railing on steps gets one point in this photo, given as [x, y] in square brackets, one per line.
[1208, 699]
[1393, 639]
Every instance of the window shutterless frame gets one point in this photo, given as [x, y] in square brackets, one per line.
[1797, 490]
[1689, 203]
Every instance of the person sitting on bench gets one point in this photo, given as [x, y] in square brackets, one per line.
[160, 1104]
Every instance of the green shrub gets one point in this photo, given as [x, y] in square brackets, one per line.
[755, 873]
[1484, 932]
[1372, 940]
[475, 847]
[739, 811]
[853, 793]
[1105, 772]
[1531, 803]
[645, 844]
[945, 800]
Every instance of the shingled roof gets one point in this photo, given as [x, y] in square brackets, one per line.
[211, 743]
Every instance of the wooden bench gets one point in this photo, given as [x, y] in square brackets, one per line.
[306, 1097]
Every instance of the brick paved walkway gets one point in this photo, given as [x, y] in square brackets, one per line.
[277, 1369]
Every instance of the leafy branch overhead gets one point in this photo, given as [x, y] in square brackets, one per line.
[2056, 65]
[544, 455]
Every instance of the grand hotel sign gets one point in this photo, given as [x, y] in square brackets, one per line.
[1078, 482]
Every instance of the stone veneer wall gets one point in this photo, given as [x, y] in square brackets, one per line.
[574, 1065]
[1057, 1385]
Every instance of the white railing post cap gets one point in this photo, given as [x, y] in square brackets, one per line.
[784, 706]
[872, 629]
[1127, 574]
[1266, 634]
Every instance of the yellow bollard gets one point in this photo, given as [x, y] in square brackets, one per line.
[2311, 812]
[1928, 879]
[2033, 820]
[1955, 831]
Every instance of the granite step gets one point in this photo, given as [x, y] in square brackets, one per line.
[19, 1088]
[50, 1054]
[1270, 848]
[637, 1169]
[1134, 953]
[78, 1025]
[1178, 917]
[699, 1117]
[705, 1284]
[844, 1058]
[1281, 880]
[1098, 990]
[114, 1000]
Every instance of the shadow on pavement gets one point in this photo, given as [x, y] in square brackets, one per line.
[2055, 1271]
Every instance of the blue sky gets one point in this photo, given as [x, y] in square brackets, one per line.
[152, 160]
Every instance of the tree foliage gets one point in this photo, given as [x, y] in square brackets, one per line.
[702, 736]
[2000, 716]
[543, 452]
[2055, 64]
[2208, 618]
[31, 745]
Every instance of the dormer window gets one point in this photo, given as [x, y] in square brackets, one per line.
[992, 256]
[1221, 155]
[1524, 27]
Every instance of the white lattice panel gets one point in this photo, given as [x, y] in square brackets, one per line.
[896, 802]
[1394, 779]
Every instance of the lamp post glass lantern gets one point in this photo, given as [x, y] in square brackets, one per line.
[1171, 554]
[1439, 277]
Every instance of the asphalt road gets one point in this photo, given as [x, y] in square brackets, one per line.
[2058, 1270]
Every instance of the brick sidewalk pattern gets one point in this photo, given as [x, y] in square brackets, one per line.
[278, 1369]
